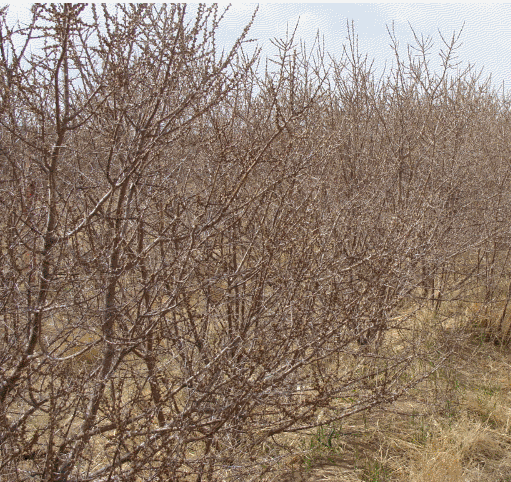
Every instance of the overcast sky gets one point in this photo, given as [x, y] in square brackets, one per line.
[486, 37]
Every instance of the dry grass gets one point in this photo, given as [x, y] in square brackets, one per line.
[455, 426]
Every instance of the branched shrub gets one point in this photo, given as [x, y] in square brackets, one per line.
[197, 256]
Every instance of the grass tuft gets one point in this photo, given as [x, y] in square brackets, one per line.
[454, 427]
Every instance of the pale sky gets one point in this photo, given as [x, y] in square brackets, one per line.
[486, 37]
[485, 40]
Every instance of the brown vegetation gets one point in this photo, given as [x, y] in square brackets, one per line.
[201, 261]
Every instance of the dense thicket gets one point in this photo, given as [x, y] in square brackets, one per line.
[197, 257]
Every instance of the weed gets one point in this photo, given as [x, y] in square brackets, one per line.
[422, 435]
[375, 471]
[324, 443]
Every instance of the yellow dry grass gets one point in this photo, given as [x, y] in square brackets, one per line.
[454, 427]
